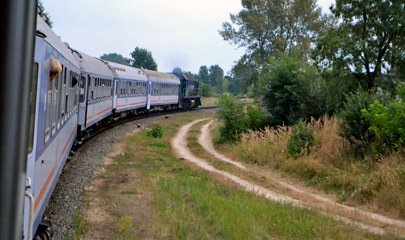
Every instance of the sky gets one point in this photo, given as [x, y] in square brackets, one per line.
[179, 33]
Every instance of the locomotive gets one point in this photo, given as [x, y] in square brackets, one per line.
[71, 92]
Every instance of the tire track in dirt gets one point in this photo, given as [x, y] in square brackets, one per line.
[205, 140]
[179, 145]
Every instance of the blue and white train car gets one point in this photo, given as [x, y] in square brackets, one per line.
[96, 90]
[131, 85]
[53, 120]
[163, 90]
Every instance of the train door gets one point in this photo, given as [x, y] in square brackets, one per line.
[82, 100]
[89, 96]
[149, 95]
[33, 120]
[115, 93]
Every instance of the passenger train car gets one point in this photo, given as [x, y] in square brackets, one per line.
[131, 88]
[163, 90]
[71, 92]
[96, 90]
[53, 121]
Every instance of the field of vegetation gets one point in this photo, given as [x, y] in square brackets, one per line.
[148, 193]
[327, 162]
[330, 97]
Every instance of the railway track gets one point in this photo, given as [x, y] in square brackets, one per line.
[113, 122]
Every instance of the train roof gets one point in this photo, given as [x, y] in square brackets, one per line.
[127, 72]
[161, 77]
[50, 37]
[93, 65]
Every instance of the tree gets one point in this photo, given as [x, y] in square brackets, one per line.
[115, 57]
[236, 85]
[246, 73]
[203, 74]
[216, 77]
[368, 39]
[270, 27]
[292, 90]
[45, 15]
[142, 58]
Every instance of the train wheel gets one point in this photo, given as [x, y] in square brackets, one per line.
[44, 231]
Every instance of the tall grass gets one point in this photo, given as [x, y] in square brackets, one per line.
[265, 147]
[330, 165]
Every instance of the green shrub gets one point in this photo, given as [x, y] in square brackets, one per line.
[301, 140]
[155, 132]
[232, 116]
[255, 119]
[387, 123]
[354, 125]
[207, 90]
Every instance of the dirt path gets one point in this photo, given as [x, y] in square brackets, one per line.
[298, 196]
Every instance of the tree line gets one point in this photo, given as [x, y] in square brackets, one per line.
[140, 58]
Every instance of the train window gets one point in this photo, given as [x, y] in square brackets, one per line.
[99, 88]
[70, 92]
[62, 96]
[48, 110]
[55, 104]
[94, 88]
[66, 110]
[75, 82]
[33, 100]
[82, 87]
[64, 77]
[103, 88]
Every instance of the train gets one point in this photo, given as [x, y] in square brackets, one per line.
[71, 93]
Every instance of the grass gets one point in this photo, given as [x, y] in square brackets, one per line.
[208, 101]
[198, 208]
[329, 166]
[78, 226]
[148, 193]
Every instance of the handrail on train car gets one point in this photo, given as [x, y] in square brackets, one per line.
[16, 57]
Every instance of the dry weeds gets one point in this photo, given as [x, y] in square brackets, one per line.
[378, 184]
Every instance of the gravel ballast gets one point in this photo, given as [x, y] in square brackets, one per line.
[67, 199]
